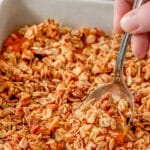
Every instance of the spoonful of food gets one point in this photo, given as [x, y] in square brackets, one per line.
[118, 88]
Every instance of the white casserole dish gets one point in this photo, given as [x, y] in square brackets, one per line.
[74, 13]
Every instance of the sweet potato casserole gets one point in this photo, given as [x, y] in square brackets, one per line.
[46, 73]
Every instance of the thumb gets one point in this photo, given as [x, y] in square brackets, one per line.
[138, 20]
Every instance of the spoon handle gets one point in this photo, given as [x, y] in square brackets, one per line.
[122, 49]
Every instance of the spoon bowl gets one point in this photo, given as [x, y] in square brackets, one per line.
[117, 89]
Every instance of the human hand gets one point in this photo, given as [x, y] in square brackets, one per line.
[136, 22]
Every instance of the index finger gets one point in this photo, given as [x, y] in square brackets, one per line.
[121, 7]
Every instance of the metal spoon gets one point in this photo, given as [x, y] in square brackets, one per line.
[118, 87]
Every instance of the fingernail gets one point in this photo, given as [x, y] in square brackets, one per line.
[128, 22]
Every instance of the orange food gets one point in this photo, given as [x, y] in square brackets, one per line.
[34, 129]
[25, 102]
[120, 137]
[16, 41]
[52, 106]
[19, 111]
